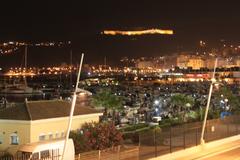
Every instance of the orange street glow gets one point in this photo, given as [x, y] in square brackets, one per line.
[137, 33]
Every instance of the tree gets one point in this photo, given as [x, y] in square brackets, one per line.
[107, 100]
[225, 93]
[183, 103]
[80, 141]
[96, 136]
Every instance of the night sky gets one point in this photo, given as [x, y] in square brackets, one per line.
[82, 21]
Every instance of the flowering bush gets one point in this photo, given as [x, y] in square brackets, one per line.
[96, 136]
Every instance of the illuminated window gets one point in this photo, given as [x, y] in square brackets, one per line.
[14, 139]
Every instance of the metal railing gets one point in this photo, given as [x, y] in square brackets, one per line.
[155, 143]
[44, 155]
[115, 153]
[170, 139]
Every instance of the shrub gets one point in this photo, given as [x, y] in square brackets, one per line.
[170, 122]
[96, 136]
[135, 127]
[79, 141]
[134, 135]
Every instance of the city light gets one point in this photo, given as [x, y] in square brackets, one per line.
[138, 33]
[156, 102]
[13, 46]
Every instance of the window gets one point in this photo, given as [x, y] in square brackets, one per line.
[50, 136]
[62, 135]
[1, 138]
[14, 139]
[57, 135]
[42, 137]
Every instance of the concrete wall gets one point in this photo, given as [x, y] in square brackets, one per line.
[57, 126]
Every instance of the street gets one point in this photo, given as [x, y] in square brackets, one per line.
[230, 154]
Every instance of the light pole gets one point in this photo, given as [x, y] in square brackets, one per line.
[72, 110]
[213, 80]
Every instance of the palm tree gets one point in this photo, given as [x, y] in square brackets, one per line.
[183, 104]
[105, 99]
[227, 94]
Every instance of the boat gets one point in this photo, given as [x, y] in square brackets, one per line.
[80, 91]
[19, 88]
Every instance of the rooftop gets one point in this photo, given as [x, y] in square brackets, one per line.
[37, 110]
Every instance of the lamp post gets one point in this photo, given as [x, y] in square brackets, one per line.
[72, 110]
[213, 80]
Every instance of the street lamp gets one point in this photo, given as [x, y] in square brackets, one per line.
[156, 102]
[213, 81]
[72, 110]
[188, 105]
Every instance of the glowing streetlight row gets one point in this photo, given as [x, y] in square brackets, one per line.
[137, 33]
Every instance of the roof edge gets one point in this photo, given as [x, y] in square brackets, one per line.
[28, 111]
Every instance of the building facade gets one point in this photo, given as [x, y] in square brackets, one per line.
[39, 121]
[195, 63]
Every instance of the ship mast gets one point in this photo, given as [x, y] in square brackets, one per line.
[71, 69]
[25, 64]
[25, 55]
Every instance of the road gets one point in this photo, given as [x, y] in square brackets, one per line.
[230, 154]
